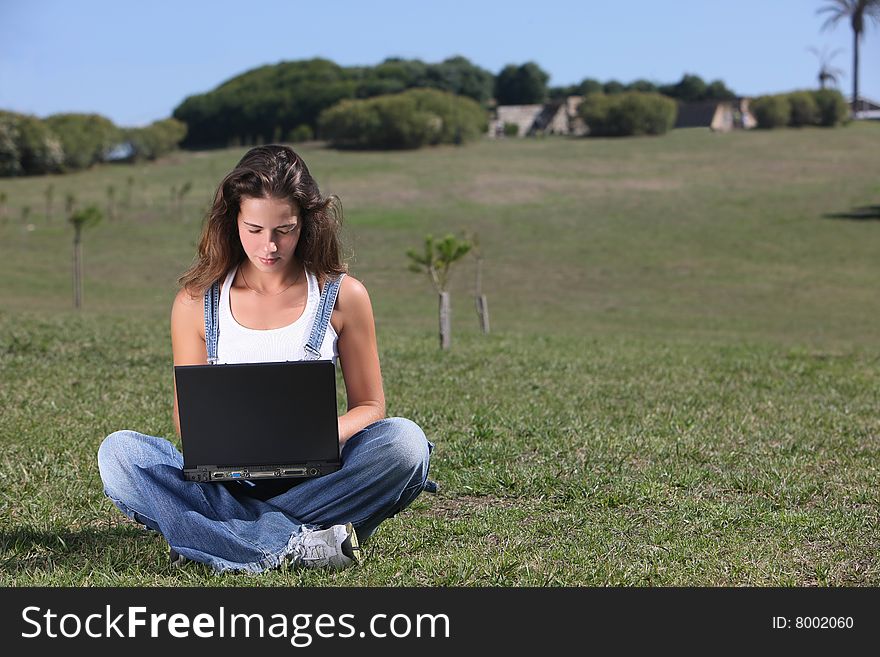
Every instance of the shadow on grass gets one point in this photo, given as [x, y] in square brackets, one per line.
[864, 213]
[25, 550]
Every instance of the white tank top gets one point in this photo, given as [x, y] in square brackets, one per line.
[239, 344]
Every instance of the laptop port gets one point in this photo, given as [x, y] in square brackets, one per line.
[218, 475]
[263, 473]
[238, 474]
[296, 472]
[313, 471]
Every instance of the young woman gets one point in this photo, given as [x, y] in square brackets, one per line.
[270, 245]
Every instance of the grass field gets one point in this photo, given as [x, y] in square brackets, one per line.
[680, 387]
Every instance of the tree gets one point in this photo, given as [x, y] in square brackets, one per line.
[561, 93]
[49, 194]
[29, 139]
[155, 140]
[283, 95]
[521, 85]
[129, 186]
[69, 204]
[692, 88]
[435, 260]
[459, 76]
[689, 89]
[479, 298]
[10, 156]
[717, 90]
[393, 76]
[827, 73]
[644, 86]
[857, 11]
[111, 202]
[177, 195]
[88, 216]
[590, 86]
[613, 87]
[85, 138]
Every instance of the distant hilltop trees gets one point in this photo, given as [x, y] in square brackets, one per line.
[283, 101]
[691, 88]
[349, 106]
[70, 142]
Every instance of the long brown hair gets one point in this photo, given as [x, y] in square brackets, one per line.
[267, 172]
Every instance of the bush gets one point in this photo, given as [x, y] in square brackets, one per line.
[831, 106]
[825, 107]
[301, 133]
[594, 111]
[155, 140]
[41, 150]
[10, 164]
[411, 119]
[28, 146]
[393, 122]
[511, 129]
[630, 113]
[771, 111]
[462, 119]
[803, 109]
[86, 138]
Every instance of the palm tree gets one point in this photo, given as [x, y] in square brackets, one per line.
[856, 11]
[827, 74]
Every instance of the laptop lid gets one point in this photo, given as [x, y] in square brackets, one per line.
[257, 414]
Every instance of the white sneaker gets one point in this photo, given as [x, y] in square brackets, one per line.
[335, 547]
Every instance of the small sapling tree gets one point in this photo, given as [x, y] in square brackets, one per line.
[479, 298]
[88, 216]
[50, 196]
[129, 187]
[69, 204]
[178, 194]
[435, 260]
[111, 202]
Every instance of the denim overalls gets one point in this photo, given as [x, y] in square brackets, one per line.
[250, 527]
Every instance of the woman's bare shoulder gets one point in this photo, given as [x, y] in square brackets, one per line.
[353, 306]
[187, 309]
[185, 299]
[352, 292]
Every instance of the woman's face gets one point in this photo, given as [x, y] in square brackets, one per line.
[269, 230]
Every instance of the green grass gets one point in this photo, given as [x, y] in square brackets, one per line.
[680, 387]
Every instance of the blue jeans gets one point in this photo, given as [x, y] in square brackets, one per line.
[251, 526]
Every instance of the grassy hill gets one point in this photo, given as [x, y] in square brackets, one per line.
[680, 386]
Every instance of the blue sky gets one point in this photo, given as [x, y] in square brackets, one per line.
[135, 61]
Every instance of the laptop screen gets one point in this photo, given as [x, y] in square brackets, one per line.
[257, 413]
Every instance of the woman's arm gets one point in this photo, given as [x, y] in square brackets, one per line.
[187, 337]
[354, 324]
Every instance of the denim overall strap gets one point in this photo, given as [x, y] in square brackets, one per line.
[322, 317]
[212, 322]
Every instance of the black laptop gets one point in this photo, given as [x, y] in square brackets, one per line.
[258, 420]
